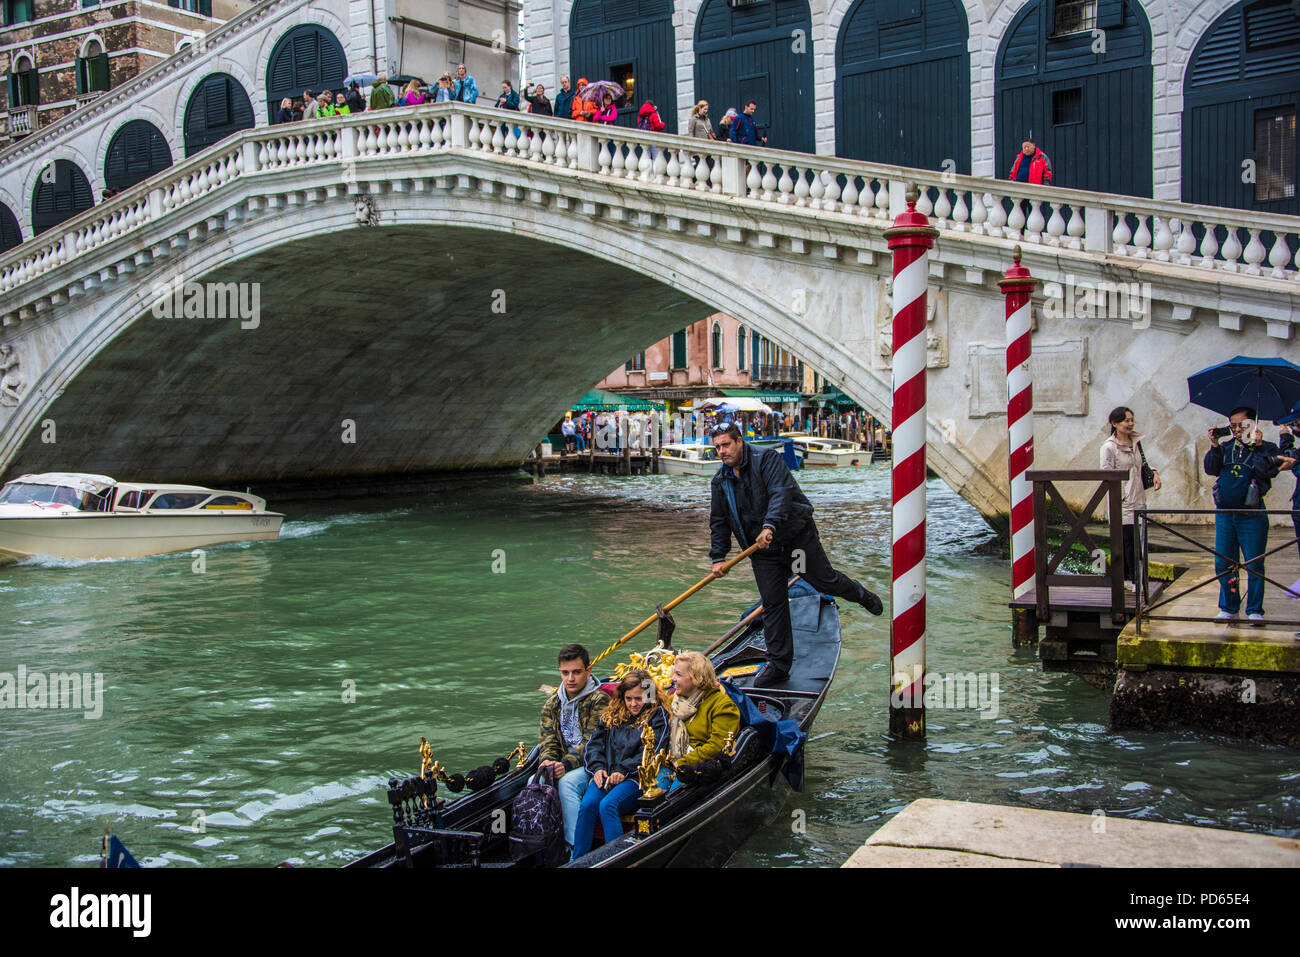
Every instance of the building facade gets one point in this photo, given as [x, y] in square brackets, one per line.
[58, 55]
[163, 81]
[1175, 99]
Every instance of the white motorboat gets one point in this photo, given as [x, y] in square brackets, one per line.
[79, 515]
[688, 458]
[820, 451]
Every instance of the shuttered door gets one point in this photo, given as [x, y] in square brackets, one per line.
[679, 350]
[308, 57]
[1089, 110]
[218, 107]
[10, 233]
[67, 195]
[1246, 67]
[607, 34]
[903, 84]
[136, 152]
[754, 51]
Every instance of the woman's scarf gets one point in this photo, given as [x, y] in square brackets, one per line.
[679, 739]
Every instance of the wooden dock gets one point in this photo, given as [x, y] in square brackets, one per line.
[626, 462]
[933, 833]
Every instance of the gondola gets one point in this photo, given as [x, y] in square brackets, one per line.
[696, 825]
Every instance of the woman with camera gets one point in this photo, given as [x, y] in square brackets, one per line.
[1123, 451]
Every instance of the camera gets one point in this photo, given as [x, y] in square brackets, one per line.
[1222, 431]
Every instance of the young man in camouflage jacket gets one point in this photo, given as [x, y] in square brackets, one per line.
[568, 719]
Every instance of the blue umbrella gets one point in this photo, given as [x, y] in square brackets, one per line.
[1270, 386]
[361, 79]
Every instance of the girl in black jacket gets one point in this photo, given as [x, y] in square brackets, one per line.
[613, 755]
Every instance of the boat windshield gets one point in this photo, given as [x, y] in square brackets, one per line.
[21, 493]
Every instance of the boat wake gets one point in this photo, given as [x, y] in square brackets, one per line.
[309, 529]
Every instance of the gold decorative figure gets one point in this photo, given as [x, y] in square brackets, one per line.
[426, 756]
[729, 748]
[652, 763]
[521, 750]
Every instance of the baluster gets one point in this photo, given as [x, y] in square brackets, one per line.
[1121, 235]
[548, 147]
[997, 215]
[702, 174]
[1164, 239]
[1056, 225]
[510, 142]
[942, 207]
[644, 165]
[882, 200]
[604, 159]
[924, 205]
[485, 136]
[1016, 220]
[769, 184]
[715, 176]
[300, 152]
[618, 165]
[659, 166]
[498, 141]
[1209, 246]
[832, 199]
[674, 168]
[1142, 239]
[263, 155]
[573, 150]
[1231, 251]
[1254, 254]
[850, 195]
[979, 212]
[815, 190]
[537, 147]
[1035, 225]
[1186, 243]
[1279, 256]
[1075, 228]
[961, 213]
[785, 186]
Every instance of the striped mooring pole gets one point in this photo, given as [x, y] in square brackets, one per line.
[1018, 288]
[910, 240]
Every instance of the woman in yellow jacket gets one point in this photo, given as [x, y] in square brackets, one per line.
[702, 713]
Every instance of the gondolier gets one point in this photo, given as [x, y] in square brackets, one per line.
[754, 497]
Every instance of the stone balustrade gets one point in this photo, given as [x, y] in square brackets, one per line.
[1206, 243]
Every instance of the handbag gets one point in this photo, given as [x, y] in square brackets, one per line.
[1148, 473]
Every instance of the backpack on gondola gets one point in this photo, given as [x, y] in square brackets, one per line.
[537, 821]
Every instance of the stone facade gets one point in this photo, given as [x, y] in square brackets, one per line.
[136, 34]
[1176, 26]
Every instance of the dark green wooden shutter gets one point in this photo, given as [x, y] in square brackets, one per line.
[62, 199]
[679, 350]
[1110, 13]
[137, 151]
[10, 233]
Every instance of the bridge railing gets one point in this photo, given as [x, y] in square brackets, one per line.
[1209, 242]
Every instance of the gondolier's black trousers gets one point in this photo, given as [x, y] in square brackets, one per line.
[773, 567]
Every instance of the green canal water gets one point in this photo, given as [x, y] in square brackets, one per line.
[251, 713]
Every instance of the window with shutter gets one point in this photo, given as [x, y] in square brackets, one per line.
[10, 233]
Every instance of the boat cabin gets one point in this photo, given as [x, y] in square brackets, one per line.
[100, 493]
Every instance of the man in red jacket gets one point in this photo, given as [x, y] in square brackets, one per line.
[1031, 165]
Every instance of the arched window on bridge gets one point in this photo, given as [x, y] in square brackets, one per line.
[1075, 77]
[92, 68]
[218, 107]
[11, 233]
[59, 195]
[740, 349]
[679, 350]
[24, 82]
[308, 57]
[137, 150]
[902, 84]
[718, 363]
[632, 43]
[1241, 94]
[759, 50]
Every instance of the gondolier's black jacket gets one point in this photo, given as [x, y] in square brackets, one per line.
[766, 495]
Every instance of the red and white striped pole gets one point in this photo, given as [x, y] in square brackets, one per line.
[910, 239]
[1018, 288]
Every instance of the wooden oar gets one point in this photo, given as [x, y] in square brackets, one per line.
[549, 689]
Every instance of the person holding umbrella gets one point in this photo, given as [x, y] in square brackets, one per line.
[1245, 471]
[1286, 426]
[1245, 387]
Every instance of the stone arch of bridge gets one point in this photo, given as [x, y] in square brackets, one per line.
[657, 290]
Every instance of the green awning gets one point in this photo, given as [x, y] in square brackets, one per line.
[833, 397]
[598, 400]
[764, 394]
